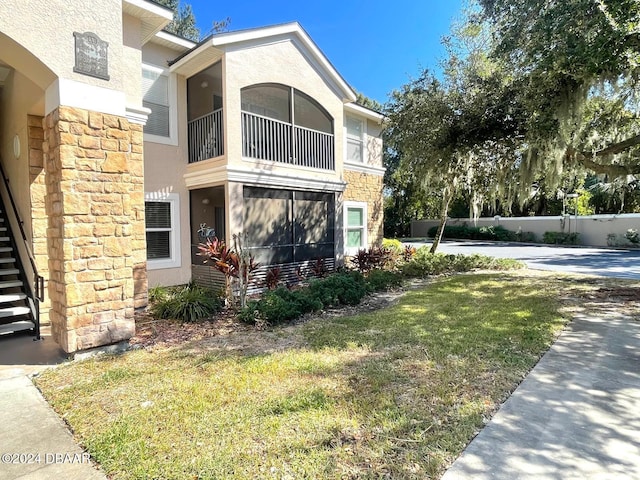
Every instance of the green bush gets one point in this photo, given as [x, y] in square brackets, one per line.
[393, 244]
[491, 232]
[560, 238]
[157, 293]
[188, 304]
[425, 263]
[345, 288]
[283, 305]
[378, 280]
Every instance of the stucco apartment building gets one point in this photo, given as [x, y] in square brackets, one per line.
[124, 146]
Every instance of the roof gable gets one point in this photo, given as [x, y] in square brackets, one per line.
[212, 49]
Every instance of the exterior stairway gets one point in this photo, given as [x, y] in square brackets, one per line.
[17, 309]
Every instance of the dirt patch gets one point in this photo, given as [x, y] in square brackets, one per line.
[218, 331]
[623, 294]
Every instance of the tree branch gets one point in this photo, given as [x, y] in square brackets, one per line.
[618, 147]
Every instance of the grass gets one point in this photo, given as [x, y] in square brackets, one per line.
[396, 393]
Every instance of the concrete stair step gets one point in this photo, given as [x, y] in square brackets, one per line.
[12, 297]
[14, 311]
[16, 327]
[6, 249]
[7, 260]
[10, 284]
[9, 271]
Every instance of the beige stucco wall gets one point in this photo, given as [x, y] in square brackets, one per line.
[277, 62]
[131, 58]
[20, 96]
[46, 30]
[593, 229]
[164, 167]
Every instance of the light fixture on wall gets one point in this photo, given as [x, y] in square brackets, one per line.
[206, 201]
[204, 84]
[16, 146]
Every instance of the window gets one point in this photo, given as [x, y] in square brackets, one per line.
[355, 219]
[355, 140]
[162, 230]
[157, 92]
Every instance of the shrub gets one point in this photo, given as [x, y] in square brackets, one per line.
[392, 244]
[375, 257]
[378, 280]
[345, 288]
[157, 293]
[560, 238]
[632, 235]
[425, 263]
[272, 279]
[408, 253]
[283, 305]
[490, 232]
[319, 268]
[528, 237]
[188, 304]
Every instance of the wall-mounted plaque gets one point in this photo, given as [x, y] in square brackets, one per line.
[92, 55]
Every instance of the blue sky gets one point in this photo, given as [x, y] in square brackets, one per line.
[377, 45]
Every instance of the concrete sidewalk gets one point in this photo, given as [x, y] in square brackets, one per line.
[575, 416]
[34, 442]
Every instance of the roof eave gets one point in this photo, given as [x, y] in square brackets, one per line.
[153, 17]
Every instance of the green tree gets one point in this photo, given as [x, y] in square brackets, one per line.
[184, 21]
[575, 65]
[459, 135]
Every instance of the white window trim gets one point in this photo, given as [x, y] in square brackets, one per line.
[172, 139]
[365, 227]
[174, 237]
[365, 151]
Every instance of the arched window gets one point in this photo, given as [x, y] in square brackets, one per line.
[285, 125]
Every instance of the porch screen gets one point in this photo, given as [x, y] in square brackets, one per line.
[287, 226]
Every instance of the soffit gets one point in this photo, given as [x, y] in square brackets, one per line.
[153, 17]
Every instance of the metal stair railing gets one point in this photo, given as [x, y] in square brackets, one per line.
[36, 290]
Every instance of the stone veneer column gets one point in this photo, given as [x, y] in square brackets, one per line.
[95, 236]
[38, 190]
[363, 187]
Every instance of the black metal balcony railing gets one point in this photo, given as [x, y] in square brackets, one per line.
[268, 139]
[205, 135]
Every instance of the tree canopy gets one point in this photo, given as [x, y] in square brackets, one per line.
[184, 21]
[531, 90]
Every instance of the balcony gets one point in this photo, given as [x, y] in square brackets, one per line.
[205, 136]
[265, 138]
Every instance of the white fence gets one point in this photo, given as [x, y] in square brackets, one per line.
[593, 229]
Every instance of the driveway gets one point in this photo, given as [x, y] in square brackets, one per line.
[604, 262]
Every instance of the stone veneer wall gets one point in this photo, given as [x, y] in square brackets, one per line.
[95, 237]
[38, 190]
[364, 187]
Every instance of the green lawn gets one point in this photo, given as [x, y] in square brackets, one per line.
[396, 393]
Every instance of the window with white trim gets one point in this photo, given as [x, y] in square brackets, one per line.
[355, 140]
[162, 226]
[355, 226]
[158, 90]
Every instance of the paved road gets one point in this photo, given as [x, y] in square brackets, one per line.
[585, 260]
